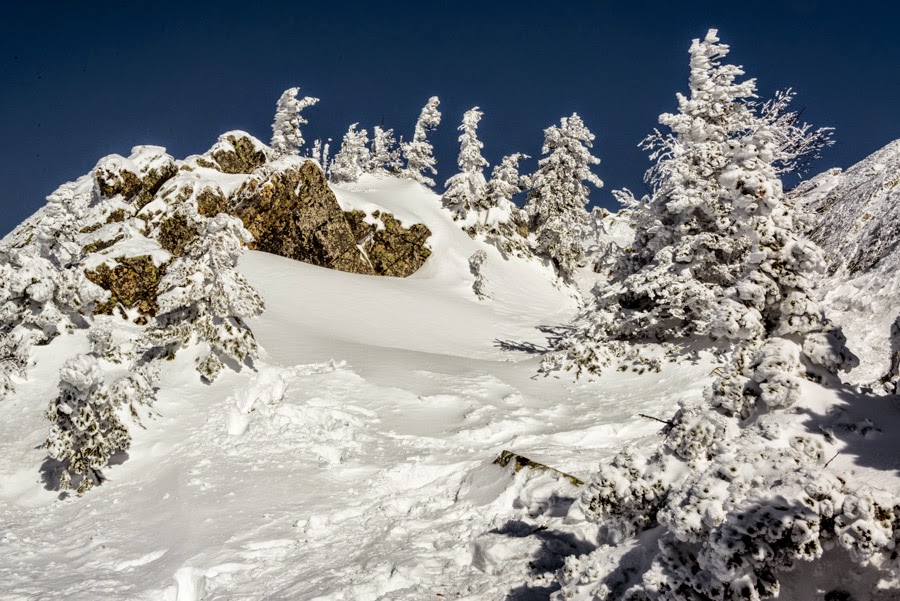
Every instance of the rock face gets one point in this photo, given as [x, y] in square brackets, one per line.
[290, 210]
[854, 216]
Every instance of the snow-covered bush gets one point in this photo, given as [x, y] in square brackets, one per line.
[727, 527]
[419, 153]
[558, 194]
[353, 159]
[498, 219]
[479, 286]
[286, 135]
[103, 343]
[466, 189]
[86, 429]
[204, 299]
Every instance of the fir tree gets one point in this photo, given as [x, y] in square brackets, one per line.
[286, 135]
[558, 195]
[499, 220]
[204, 299]
[86, 429]
[353, 158]
[419, 154]
[466, 190]
[385, 155]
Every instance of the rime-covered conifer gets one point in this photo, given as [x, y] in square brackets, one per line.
[715, 252]
[499, 220]
[204, 299]
[86, 429]
[558, 195]
[466, 190]
[419, 153]
[286, 135]
[353, 158]
[385, 154]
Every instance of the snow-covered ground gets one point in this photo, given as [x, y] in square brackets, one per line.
[356, 462]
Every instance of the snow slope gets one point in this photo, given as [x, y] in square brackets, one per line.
[355, 462]
[855, 218]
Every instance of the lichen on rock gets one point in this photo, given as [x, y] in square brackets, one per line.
[235, 152]
[175, 233]
[132, 283]
[395, 250]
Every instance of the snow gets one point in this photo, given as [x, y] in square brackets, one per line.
[355, 461]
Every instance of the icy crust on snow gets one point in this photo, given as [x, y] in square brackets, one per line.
[854, 217]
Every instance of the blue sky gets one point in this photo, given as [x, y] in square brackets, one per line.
[80, 82]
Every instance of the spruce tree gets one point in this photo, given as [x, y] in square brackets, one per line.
[466, 190]
[558, 195]
[385, 155]
[352, 160]
[715, 252]
[419, 153]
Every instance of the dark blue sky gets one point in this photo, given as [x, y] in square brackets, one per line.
[80, 82]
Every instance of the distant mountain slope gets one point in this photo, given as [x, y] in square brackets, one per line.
[855, 218]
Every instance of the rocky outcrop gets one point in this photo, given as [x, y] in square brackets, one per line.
[290, 210]
[392, 250]
[132, 283]
[137, 178]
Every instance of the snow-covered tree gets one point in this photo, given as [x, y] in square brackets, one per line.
[466, 190]
[353, 158]
[715, 253]
[558, 195]
[204, 299]
[286, 135]
[43, 288]
[736, 496]
[499, 220]
[86, 429]
[419, 154]
[385, 155]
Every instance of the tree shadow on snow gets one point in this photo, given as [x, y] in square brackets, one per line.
[555, 546]
[51, 470]
[552, 335]
[866, 425]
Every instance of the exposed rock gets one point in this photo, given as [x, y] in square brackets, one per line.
[395, 250]
[290, 210]
[175, 233]
[132, 283]
[99, 245]
[153, 181]
[116, 216]
[116, 175]
[211, 201]
[235, 152]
